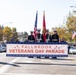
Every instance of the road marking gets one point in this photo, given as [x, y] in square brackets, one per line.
[6, 67]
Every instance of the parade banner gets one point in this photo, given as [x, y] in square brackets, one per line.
[37, 49]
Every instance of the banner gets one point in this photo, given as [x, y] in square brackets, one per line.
[37, 49]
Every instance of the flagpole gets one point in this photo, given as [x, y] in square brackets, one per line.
[44, 27]
[35, 26]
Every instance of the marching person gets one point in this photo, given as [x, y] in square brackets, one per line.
[48, 36]
[55, 37]
[38, 36]
[31, 37]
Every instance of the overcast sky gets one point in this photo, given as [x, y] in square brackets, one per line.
[22, 13]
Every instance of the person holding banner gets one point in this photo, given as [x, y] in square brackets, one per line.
[31, 37]
[38, 36]
[48, 36]
[55, 38]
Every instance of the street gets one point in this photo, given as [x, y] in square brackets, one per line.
[40, 66]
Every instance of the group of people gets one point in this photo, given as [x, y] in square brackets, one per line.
[40, 38]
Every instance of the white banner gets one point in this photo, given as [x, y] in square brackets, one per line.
[44, 49]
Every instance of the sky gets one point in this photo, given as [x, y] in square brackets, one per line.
[22, 13]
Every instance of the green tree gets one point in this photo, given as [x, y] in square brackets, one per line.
[1, 34]
[25, 34]
[61, 32]
[14, 33]
[7, 32]
[71, 25]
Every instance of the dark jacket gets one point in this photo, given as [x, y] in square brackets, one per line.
[48, 38]
[55, 38]
[31, 38]
[39, 37]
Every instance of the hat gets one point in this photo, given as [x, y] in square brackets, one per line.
[38, 30]
[55, 30]
[31, 31]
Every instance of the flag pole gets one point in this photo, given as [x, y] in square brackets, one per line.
[35, 26]
[44, 27]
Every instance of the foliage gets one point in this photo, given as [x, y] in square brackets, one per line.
[70, 26]
[1, 34]
[14, 33]
[7, 33]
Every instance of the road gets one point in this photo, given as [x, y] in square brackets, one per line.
[35, 66]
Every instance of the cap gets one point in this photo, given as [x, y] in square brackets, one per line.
[31, 31]
[38, 30]
[55, 30]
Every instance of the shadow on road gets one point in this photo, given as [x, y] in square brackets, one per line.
[5, 63]
[45, 64]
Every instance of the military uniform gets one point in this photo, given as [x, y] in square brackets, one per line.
[55, 37]
[38, 36]
[31, 37]
[48, 38]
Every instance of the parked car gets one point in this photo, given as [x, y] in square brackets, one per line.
[72, 50]
[2, 48]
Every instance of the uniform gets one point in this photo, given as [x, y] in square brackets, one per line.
[55, 38]
[38, 36]
[31, 37]
[48, 38]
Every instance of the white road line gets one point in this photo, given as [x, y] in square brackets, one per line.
[6, 67]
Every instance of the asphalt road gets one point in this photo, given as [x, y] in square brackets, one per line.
[35, 66]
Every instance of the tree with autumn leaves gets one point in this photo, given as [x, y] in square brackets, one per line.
[1, 33]
[8, 33]
[65, 31]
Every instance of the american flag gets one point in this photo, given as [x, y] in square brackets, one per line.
[35, 26]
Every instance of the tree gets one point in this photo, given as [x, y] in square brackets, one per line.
[61, 32]
[71, 25]
[7, 33]
[14, 33]
[25, 34]
[66, 31]
[1, 34]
